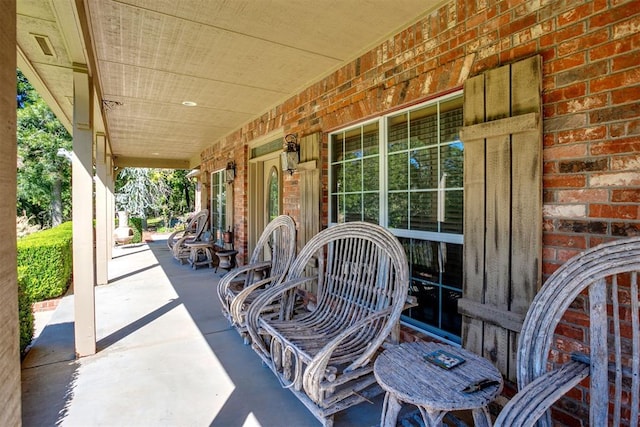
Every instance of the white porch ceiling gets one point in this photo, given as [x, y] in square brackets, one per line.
[235, 58]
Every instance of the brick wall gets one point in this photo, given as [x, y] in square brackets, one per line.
[10, 398]
[591, 101]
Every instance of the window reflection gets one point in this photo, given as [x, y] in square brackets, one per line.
[218, 211]
[274, 194]
[436, 282]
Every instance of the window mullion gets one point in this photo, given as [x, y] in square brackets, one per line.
[383, 173]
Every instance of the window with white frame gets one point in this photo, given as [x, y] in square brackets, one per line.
[405, 171]
[218, 209]
[355, 174]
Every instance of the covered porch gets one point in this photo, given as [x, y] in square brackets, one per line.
[130, 76]
[166, 356]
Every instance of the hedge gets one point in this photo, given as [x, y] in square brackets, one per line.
[136, 224]
[25, 313]
[46, 257]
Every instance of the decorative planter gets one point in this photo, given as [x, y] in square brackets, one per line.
[123, 234]
[227, 237]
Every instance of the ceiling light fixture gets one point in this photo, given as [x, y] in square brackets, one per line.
[189, 103]
[108, 105]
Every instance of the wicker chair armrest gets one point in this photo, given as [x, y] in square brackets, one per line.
[228, 278]
[534, 400]
[225, 295]
[174, 237]
[239, 300]
[179, 245]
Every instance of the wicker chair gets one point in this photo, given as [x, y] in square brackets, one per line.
[325, 356]
[189, 229]
[239, 287]
[600, 290]
[192, 232]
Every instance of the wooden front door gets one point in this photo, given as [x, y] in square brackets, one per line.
[265, 201]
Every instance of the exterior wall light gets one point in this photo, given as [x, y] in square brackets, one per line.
[230, 172]
[290, 157]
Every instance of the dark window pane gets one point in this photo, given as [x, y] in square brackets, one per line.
[338, 178]
[451, 321]
[398, 208]
[353, 176]
[427, 296]
[371, 173]
[424, 260]
[424, 207]
[451, 255]
[341, 209]
[424, 168]
[335, 208]
[397, 171]
[337, 149]
[433, 266]
[371, 203]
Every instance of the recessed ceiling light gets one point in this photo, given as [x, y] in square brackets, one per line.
[155, 154]
[189, 103]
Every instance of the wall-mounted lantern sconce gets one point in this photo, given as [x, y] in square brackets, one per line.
[230, 172]
[291, 155]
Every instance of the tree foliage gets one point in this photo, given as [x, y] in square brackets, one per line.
[43, 177]
[154, 192]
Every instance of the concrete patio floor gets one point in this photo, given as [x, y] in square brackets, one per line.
[166, 357]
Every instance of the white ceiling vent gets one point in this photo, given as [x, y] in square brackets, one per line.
[45, 45]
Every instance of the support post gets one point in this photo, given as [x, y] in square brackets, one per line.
[10, 394]
[102, 215]
[111, 182]
[82, 198]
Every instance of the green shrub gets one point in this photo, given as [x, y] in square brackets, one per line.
[24, 312]
[47, 258]
[136, 224]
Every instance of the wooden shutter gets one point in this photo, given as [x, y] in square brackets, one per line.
[309, 169]
[502, 138]
[309, 224]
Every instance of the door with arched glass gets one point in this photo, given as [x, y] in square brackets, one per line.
[265, 188]
[273, 194]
